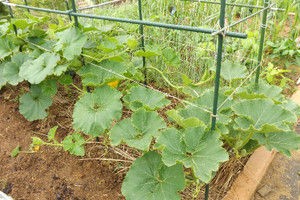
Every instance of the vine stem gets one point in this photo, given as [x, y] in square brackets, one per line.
[77, 88]
[52, 144]
[247, 139]
[165, 78]
[179, 87]
[105, 159]
[36, 45]
[104, 58]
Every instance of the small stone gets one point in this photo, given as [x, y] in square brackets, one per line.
[3, 196]
[264, 191]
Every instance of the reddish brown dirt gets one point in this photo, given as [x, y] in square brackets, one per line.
[49, 173]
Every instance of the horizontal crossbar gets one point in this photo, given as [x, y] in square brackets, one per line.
[236, 4]
[130, 21]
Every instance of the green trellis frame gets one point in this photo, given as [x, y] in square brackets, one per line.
[221, 33]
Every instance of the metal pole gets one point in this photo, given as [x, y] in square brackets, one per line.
[237, 5]
[141, 29]
[68, 8]
[12, 16]
[74, 11]
[218, 74]
[26, 3]
[130, 21]
[262, 40]
[98, 5]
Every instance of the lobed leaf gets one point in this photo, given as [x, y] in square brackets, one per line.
[139, 130]
[233, 70]
[139, 96]
[74, 144]
[71, 42]
[94, 112]
[149, 179]
[35, 71]
[284, 142]
[96, 76]
[263, 115]
[2, 79]
[195, 148]
[33, 104]
[11, 69]
[6, 48]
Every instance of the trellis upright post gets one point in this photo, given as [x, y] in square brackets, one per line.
[12, 16]
[262, 40]
[141, 30]
[74, 10]
[68, 8]
[218, 74]
[26, 4]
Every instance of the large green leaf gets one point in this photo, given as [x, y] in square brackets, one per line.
[194, 147]
[202, 107]
[139, 130]
[291, 106]
[270, 91]
[49, 87]
[284, 142]
[11, 69]
[262, 90]
[139, 96]
[263, 115]
[71, 42]
[95, 112]
[233, 70]
[170, 57]
[2, 79]
[185, 123]
[92, 75]
[149, 179]
[6, 47]
[35, 71]
[33, 104]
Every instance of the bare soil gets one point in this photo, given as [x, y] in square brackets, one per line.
[49, 173]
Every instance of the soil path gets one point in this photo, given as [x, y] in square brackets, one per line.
[282, 181]
[49, 174]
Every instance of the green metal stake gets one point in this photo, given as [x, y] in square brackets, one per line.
[262, 40]
[141, 29]
[68, 8]
[26, 4]
[12, 16]
[74, 11]
[218, 73]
